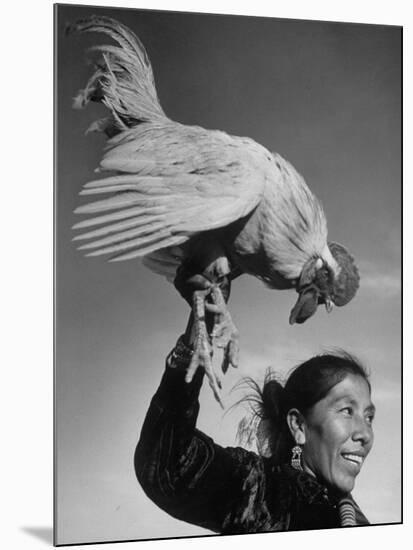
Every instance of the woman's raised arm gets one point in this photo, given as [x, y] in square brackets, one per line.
[180, 468]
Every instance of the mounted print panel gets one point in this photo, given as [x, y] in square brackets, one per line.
[228, 275]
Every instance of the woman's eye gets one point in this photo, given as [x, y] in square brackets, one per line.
[370, 418]
[347, 410]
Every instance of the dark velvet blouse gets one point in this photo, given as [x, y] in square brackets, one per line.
[226, 490]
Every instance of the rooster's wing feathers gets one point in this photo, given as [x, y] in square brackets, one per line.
[171, 181]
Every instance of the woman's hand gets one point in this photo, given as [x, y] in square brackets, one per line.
[188, 280]
[210, 325]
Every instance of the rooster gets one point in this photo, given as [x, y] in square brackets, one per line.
[177, 194]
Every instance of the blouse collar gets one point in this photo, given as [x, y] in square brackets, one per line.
[309, 488]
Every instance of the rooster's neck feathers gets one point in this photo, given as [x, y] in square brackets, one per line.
[293, 224]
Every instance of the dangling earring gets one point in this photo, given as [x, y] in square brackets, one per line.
[296, 457]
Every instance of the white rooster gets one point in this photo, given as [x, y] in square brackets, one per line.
[178, 193]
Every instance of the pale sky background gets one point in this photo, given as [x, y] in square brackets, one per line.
[326, 96]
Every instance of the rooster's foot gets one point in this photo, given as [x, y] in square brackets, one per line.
[202, 354]
[224, 334]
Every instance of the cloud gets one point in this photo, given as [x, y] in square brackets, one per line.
[387, 395]
[385, 284]
[280, 357]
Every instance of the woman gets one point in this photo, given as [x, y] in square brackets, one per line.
[313, 434]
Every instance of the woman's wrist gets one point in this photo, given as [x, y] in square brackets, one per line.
[188, 337]
[181, 354]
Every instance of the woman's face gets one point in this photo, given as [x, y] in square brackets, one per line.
[338, 434]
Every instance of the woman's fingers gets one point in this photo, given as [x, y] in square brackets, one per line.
[187, 284]
[198, 282]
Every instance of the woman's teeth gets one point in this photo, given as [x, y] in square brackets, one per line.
[353, 458]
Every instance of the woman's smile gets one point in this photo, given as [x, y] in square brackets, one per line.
[338, 434]
[354, 458]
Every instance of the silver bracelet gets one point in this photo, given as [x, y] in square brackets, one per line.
[181, 354]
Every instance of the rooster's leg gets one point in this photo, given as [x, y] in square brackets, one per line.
[225, 333]
[202, 355]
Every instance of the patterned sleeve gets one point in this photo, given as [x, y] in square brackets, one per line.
[180, 468]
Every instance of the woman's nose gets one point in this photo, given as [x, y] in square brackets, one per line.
[362, 431]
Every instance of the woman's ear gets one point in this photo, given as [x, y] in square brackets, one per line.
[296, 424]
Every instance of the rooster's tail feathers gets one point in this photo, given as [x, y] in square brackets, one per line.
[123, 79]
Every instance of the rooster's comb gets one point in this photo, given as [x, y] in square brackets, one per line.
[347, 282]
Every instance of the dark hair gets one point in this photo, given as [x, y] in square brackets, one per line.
[307, 384]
